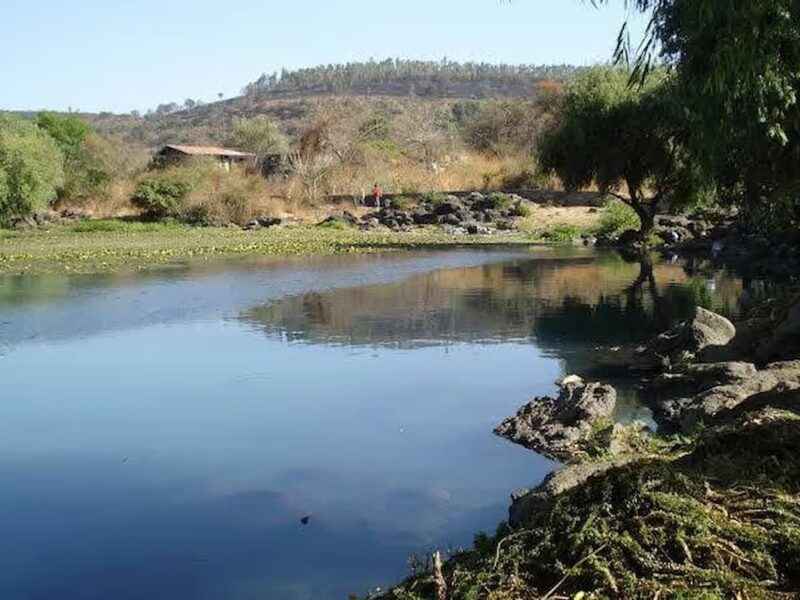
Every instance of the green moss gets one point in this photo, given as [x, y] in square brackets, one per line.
[720, 519]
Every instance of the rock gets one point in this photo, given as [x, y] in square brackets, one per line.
[676, 235]
[344, 217]
[684, 341]
[266, 221]
[422, 217]
[448, 207]
[525, 502]
[368, 224]
[555, 426]
[588, 240]
[475, 229]
[783, 341]
[506, 225]
[700, 392]
[453, 230]
[252, 225]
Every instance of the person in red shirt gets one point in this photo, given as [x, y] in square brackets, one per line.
[378, 193]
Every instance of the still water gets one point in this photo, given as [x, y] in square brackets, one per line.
[162, 435]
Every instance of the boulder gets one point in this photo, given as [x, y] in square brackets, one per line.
[700, 392]
[555, 427]
[525, 502]
[448, 207]
[783, 342]
[684, 341]
[267, 221]
[343, 217]
[476, 229]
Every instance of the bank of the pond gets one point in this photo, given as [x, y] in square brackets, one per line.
[140, 246]
[710, 510]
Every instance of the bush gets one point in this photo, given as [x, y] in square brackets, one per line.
[31, 168]
[498, 201]
[618, 217]
[159, 198]
[563, 232]
[404, 203]
[435, 198]
[520, 210]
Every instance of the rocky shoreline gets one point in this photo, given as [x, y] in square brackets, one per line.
[708, 505]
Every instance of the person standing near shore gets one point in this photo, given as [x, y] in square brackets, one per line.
[378, 193]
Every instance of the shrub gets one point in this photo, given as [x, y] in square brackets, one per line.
[618, 217]
[498, 201]
[31, 168]
[403, 202]
[159, 197]
[564, 232]
[435, 198]
[259, 135]
[520, 210]
[198, 214]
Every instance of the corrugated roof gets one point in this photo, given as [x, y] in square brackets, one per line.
[208, 151]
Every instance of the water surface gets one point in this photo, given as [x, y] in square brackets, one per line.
[162, 435]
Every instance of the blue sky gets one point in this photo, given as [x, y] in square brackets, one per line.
[121, 55]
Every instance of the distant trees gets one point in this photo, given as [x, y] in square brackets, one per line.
[31, 168]
[507, 127]
[626, 140]
[423, 77]
[259, 135]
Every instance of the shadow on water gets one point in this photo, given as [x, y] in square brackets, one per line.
[162, 435]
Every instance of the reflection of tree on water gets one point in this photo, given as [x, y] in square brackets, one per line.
[562, 303]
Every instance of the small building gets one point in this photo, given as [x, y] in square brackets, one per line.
[172, 154]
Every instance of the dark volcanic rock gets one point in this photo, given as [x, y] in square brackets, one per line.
[555, 426]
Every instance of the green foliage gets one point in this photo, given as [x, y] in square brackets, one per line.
[721, 516]
[337, 225]
[31, 168]
[404, 202]
[117, 226]
[159, 198]
[68, 132]
[520, 210]
[94, 165]
[618, 217]
[413, 76]
[498, 201]
[435, 199]
[736, 74]
[613, 134]
[259, 135]
[563, 232]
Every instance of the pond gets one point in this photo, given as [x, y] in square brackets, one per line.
[162, 435]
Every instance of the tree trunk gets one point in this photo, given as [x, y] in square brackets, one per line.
[645, 210]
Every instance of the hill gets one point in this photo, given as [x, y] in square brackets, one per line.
[289, 97]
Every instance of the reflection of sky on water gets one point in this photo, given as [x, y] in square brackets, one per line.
[170, 453]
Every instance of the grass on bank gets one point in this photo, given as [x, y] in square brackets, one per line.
[719, 520]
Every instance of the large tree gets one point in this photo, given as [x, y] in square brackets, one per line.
[625, 139]
[736, 66]
[31, 168]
